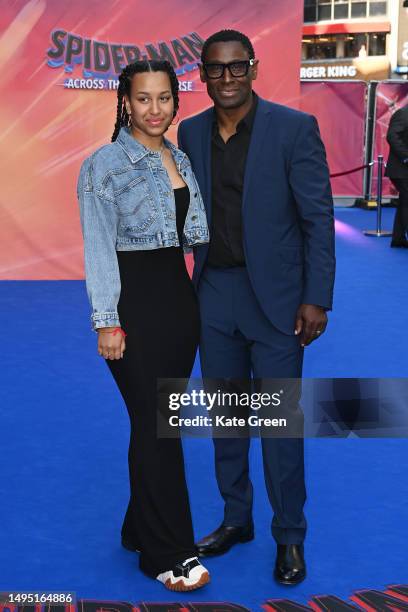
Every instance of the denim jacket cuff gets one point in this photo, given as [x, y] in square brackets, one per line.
[105, 319]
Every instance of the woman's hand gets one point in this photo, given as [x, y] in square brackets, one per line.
[111, 343]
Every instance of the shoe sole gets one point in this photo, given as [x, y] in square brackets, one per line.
[288, 582]
[242, 540]
[181, 586]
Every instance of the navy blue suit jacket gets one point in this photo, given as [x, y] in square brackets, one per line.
[287, 209]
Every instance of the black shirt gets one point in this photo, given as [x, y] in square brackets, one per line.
[227, 175]
[182, 201]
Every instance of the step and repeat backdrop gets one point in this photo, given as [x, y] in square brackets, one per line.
[342, 109]
[58, 100]
[389, 97]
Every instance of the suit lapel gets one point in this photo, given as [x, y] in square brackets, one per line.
[206, 157]
[254, 152]
[259, 130]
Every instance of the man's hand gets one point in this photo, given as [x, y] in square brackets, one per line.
[110, 345]
[311, 322]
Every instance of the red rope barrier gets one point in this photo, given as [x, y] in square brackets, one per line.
[350, 171]
[356, 169]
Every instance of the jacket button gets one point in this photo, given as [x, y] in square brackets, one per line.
[185, 173]
[195, 195]
[194, 217]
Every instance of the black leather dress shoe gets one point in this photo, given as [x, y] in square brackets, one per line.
[223, 538]
[290, 565]
[402, 243]
[130, 545]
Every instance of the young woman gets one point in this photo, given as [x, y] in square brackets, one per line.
[140, 205]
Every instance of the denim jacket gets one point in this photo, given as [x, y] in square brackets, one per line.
[126, 203]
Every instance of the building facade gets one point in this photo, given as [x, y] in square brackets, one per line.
[351, 39]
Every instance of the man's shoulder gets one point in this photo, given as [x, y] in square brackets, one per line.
[401, 113]
[283, 112]
[279, 112]
[196, 121]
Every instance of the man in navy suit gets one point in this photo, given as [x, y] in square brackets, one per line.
[266, 279]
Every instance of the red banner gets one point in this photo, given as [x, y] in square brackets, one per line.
[340, 108]
[58, 100]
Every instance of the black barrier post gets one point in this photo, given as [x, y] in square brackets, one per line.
[371, 112]
[379, 233]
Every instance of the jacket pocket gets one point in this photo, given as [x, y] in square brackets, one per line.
[136, 206]
[291, 254]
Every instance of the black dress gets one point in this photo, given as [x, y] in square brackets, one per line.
[158, 310]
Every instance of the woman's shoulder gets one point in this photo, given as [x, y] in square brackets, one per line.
[103, 155]
[102, 161]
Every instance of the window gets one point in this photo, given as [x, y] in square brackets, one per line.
[342, 46]
[319, 47]
[310, 10]
[341, 11]
[358, 9]
[377, 8]
[324, 12]
[376, 44]
[355, 45]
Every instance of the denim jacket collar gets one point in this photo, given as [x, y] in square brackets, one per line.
[135, 150]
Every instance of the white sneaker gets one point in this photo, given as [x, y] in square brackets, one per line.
[185, 576]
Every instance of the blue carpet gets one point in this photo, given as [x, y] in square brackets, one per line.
[64, 434]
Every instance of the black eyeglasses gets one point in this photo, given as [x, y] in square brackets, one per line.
[237, 69]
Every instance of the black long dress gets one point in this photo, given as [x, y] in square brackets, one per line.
[158, 310]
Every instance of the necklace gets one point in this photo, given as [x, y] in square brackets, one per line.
[160, 151]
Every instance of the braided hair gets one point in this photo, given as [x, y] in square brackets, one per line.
[125, 84]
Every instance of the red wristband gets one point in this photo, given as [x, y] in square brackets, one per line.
[120, 330]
